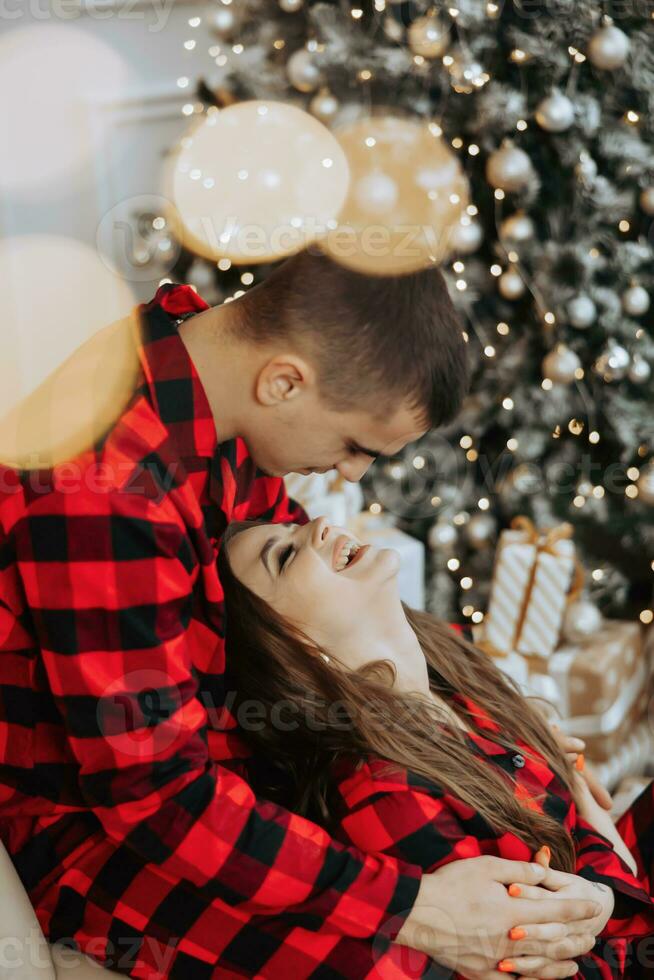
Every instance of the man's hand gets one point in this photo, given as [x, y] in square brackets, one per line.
[463, 915]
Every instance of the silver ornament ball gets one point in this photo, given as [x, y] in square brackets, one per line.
[581, 311]
[511, 284]
[480, 530]
[442, 537]
[635, 301]
[302, 71]
[561, 364]
[640, 370]
[393, 29]
[324, 105]
[608, 48]
[613, 363]
[555, 113]
[509, 168]
[517, 228]
[647, 200]
[223, 21]
[466, 74]
[466, 236]
[428, 36]
[582, 618]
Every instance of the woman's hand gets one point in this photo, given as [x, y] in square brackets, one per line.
[574, 748]
[569, 886]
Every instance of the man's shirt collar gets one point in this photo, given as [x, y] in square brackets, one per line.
[171, 381]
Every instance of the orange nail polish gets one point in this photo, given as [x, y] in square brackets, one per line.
[517, 933]
[581, 762]
[506, 966]
[515, 890]
[546, 851]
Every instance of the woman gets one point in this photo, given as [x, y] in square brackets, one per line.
[401, 737]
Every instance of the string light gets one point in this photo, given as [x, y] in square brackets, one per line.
[472, 455]
[224, 264]
[633, 473]
[453, 564]
[597, 574]
[195, 22]
[556, 434]
[357, 13]
[489, 350]
[521, 125]
[466, 582]
[187, 109]
[468, 610]
[598, 492]
[496, 270]
[512, 444]
[183, 82]
[461, 284]
[465, 442]
[492, 9]
[247, 278]
[546, 384]
[513, 257]
[579, 373]
[375, 508]
[473, 149]
[549, 317]
[646, 616]
[631, 491]
[435, 129]
[624, 225]
[507, 403]
[458, 266]
[477, 616]
[418, 462]
[457, 142]
[365, 75]
[579, 501]
[189, 45]
[503, 328]
[631, 117]
[483, 503]
[460, 518]
[594, 437]
[279, 44]
[499, 194]
[472, 209]
[436, 501]
[576, 427]
[418, 59]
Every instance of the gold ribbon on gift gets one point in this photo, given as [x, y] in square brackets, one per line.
[543, 542]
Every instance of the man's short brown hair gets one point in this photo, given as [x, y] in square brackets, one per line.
[373, 339]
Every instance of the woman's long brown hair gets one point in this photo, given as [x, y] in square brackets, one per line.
[310, 713]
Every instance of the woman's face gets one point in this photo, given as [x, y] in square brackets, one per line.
[299, 571]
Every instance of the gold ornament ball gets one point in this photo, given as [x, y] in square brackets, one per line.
[646, 485]
[517, 228]
[509, 168]
[428, 36]
[555, 113]
[647, 200]
[302, 71]
[561, 364]
[510, 284]
[613, 363]
[324, 105]
[608, 48]
[635, 301]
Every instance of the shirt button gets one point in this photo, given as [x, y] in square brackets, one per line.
[518, 761]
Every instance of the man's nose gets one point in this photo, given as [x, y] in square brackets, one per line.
[353, 469]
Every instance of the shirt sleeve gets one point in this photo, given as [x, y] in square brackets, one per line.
[110, 589]
[633, 915]
[268, 500]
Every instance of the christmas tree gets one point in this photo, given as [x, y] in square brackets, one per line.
[549, 107]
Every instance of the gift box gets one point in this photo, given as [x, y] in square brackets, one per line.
[633, 758]
[531, 580]
[380, 532]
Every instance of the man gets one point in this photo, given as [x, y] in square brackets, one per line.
[125, 808]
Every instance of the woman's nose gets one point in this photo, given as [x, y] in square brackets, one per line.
[319, 531]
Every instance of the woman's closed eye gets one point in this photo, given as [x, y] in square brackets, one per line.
[284, 555]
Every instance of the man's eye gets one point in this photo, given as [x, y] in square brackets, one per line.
[284, 556]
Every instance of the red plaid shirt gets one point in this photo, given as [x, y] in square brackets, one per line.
[112, 674]
[403, 815]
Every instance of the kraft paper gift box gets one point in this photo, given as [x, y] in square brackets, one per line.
[529, 591]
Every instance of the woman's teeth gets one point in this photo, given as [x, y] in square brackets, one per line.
[347, 552]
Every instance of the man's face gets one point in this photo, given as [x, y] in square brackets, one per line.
[310, 438]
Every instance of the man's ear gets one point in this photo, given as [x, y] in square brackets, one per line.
[282, 378]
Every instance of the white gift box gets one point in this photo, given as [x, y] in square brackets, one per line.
[377, 531]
